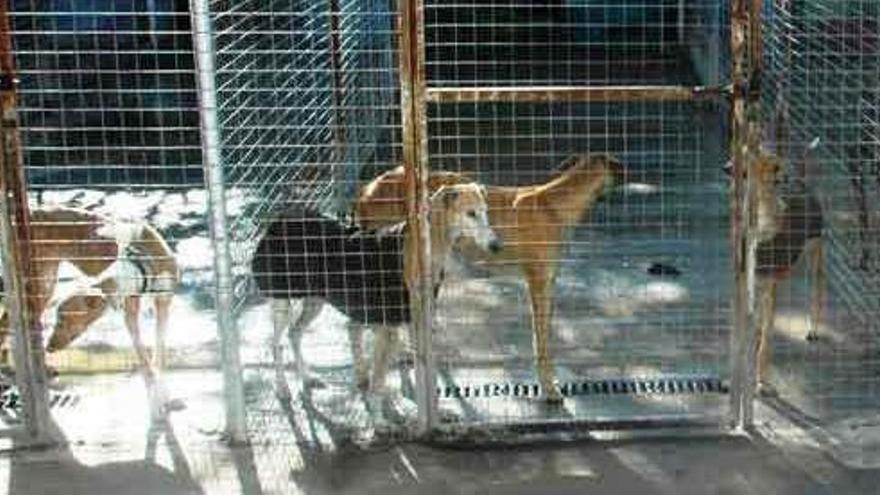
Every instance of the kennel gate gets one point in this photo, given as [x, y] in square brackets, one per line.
[512, 89]
[314, 99]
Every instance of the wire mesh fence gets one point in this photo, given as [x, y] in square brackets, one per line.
[308, 104]
[107, 93]
[110, 131]
[614, 297]
[821, 86]
[641, 281]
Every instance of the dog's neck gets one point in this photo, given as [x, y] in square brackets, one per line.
[441, 244]
[574, 191]
[441, 247]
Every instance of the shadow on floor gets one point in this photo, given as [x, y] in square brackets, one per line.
[723, 465]
[56, 470]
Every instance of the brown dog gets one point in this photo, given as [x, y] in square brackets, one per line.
[532, 221]
[789, 228]
[128, 260]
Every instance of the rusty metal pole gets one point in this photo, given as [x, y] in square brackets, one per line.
[738, 24]
[752, 145]
[410, 31]
[30, 369]
[745, 76]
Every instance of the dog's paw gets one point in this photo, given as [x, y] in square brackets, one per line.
[764, 389]
[363, 384]
[312, 382]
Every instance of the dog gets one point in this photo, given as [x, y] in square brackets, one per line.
[532, 221]
[128, 261]
[789, 229]
[306, 257]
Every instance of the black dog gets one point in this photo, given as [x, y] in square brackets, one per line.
[306, 254]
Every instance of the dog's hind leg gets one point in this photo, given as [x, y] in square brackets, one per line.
[540, 282]
[766, 312]
[163, 304]
[309, 309]
[280, 324]
[816, 268]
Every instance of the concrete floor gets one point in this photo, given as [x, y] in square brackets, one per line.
[117, 452]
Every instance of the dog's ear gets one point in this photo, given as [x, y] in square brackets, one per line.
[728, 168]
[447, 194]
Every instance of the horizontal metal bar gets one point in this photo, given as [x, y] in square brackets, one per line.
[539, 94]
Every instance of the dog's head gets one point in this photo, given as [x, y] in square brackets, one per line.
[767, 167]
[466, 214]
[74, 315]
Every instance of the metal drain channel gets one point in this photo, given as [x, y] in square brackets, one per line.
[10, 400]
[622, 386]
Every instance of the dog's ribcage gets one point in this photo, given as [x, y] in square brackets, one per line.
[305, 254]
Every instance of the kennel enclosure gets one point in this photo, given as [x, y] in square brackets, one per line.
[249, 109]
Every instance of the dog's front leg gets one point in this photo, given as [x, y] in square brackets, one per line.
[766, 312]
[540, 282]
[309, 309]
[383, 348]
[816, 262]
[281, 323]
[132, 306]
[162, 302]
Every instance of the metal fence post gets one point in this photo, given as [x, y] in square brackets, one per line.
[415, 158]
[739, 213]
[30, 370]
[746, 72]
[214, 182]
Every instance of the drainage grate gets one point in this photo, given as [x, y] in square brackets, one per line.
[10, 401]
[630, 386]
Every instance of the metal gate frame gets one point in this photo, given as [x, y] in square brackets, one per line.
[741, 93]
[30, 366]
